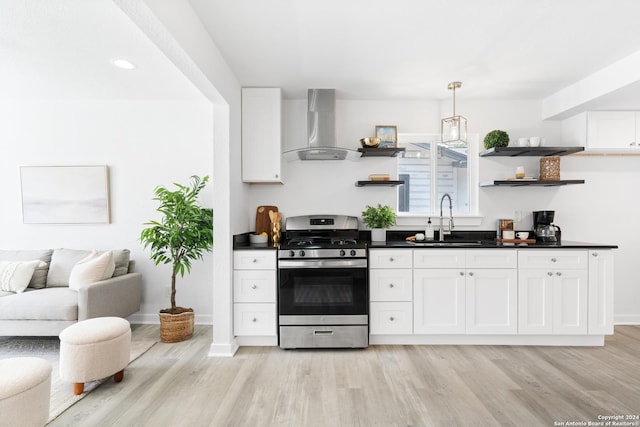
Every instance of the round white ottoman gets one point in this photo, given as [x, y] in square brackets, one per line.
[25, 389]
[93, 349]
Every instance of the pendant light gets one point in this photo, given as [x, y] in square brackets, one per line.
[453, 130]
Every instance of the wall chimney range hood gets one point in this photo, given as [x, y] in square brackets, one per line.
[321, 130]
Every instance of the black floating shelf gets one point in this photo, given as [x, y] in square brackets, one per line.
[513, 183]
[378, 183]
[380, 152]
[530, 151]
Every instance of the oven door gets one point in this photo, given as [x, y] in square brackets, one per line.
[323, 289]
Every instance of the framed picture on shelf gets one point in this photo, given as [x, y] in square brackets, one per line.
[388, 136]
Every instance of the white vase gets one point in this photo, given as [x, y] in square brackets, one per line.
[378, 234]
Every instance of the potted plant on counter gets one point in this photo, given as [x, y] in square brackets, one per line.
[183, 234]
[378, 219]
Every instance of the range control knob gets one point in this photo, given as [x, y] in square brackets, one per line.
[292, 254]
[353, 252]
[342, 252]
[301, 253]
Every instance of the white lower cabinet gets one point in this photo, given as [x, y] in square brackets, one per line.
[476, 294]
[439, 301]
[390, 291]
[390, 318]
[600, 292]
[492, 301]
[254, 293]
[553, 293]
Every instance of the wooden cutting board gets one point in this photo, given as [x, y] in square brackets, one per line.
[263, 223]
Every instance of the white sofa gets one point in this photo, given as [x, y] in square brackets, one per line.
[48, 305]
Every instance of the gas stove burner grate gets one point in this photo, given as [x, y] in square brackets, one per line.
[344, 242]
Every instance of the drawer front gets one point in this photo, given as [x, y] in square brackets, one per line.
[439, 258]
[254, 319]
[391, 285]
[391, 318]
[492, 258]
[551, 259]
[254, 260]
[254, 286]
[390, 258]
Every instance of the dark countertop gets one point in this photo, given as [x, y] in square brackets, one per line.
[487, 244]
[458, 240]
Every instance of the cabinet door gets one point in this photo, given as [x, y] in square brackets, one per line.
[439, 258]
[390, 258]
[254, 319]
[254, 260]
[570, 302]
[391, 318]
[492, 301]
[498, 258]
[261, 135]
[553, 259]
[254, 286]
[611, 130]
[439, 301]
[391, 285]
[601, 292]
[535, 302]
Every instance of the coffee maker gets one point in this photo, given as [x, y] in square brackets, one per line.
[543, 227]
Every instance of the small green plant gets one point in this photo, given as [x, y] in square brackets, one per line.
[496, 138]
[379, 217]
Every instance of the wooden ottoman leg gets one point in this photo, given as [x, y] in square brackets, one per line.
[118, 376]
[78, 388]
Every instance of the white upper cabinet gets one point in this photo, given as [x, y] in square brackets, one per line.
[612, 130]
[262, 135]
[603, 131]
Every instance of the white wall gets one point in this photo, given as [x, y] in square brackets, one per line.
[604, 210]
[145, 144]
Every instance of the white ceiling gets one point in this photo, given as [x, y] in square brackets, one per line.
[411, 49]
[366, 49]
[61, 49]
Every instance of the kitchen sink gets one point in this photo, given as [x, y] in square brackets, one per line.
[437, 243]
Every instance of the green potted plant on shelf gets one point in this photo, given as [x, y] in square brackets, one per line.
[496, 138]
[182, 235]
[378, 219]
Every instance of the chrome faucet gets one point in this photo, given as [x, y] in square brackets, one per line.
[441, 231]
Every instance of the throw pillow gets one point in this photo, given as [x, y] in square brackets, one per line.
[15, 275]
[94, 268]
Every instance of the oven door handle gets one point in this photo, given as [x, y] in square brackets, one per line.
[324, 263]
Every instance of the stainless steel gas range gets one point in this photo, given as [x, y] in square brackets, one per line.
[323, 296]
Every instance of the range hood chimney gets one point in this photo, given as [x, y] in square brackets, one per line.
[321, 129]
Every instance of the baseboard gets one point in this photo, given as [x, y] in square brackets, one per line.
[223, 350]
[626, 319]
[152, 319]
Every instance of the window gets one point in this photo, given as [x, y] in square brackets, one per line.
[430, 170]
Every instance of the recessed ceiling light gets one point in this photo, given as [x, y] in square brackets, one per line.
[123, 63]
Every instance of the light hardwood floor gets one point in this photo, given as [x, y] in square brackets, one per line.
[178, 385]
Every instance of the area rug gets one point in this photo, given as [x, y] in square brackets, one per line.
[48, 348]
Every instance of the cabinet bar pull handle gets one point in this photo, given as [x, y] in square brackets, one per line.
[316, 332]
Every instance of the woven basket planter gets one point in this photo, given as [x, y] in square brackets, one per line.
[176, 327]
